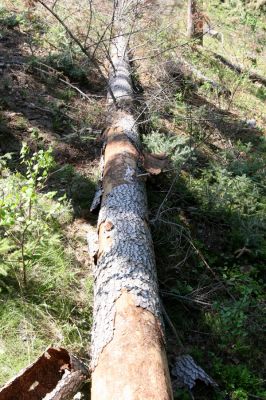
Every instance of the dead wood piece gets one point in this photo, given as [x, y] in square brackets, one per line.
[187, 372]
[55, 375]
[155, 163]
[214, 34]
[97, 198]
[195, 22]
[128, 358]
[240, 69]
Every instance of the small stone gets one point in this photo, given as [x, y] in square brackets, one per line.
[251, 123]
[78, 396]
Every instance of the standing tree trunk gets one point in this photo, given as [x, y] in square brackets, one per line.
[195, 22]
[128, 349]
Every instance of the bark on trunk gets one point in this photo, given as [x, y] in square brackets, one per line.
[128, 350]
[56, 375]
[194, 22]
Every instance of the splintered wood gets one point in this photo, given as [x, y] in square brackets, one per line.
[55, 375]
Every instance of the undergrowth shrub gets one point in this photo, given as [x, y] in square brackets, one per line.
[9, 20]
[29, 219]
[66, 63]
[211, 234]
[237, 200]
[240, 380]
[176, 147]
[43, 299]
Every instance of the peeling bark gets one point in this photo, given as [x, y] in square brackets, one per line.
[134, 365]
[56, 375]
[128, 358]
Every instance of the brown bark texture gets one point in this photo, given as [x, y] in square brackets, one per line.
[194, 22]
[55, 375]
[128, 349]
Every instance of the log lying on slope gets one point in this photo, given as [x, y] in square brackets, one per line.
[128, 351]
[56, 375]
[240, 69]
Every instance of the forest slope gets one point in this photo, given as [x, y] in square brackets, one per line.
[207, 212]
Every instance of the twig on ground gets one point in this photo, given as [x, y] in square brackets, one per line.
[185, 298]
[171, 325]
[198, 252]
[62, 80]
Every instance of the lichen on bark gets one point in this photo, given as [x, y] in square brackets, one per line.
[128, 263]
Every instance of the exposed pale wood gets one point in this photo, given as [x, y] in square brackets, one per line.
[134, 365]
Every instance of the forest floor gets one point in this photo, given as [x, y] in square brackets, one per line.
[209, 232]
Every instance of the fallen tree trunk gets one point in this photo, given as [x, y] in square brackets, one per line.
[240, 69]
[128, 350]
[56, 375]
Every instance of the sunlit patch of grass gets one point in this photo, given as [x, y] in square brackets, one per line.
[54, 310]
[43, 300]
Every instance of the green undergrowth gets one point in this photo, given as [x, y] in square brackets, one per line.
[79, 189]
[210, 244]
[207, 211]
[45, 294]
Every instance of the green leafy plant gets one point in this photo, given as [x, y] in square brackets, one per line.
[26, 213]
[250, 19]
[9, 20]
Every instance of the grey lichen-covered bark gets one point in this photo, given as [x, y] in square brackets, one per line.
[127, 264]
[187, 372]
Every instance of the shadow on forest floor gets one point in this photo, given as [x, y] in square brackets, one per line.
[209, 245]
